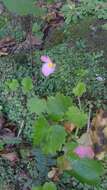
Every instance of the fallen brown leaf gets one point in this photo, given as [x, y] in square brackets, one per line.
[98, 134]
[3, 53]
[69, 127]
[5, 45]
[85, 139]
[54, 174]
[12, 157]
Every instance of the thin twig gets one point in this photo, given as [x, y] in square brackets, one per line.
[31, 56]
[21, 128]
[89, 116]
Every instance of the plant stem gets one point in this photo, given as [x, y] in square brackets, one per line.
[79, 103]
[76, 132]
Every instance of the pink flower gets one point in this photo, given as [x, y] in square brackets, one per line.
[48, 67]
[84, 151]
[45, 59]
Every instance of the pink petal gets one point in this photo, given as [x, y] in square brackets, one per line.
[46, 70]
[84, 151]
[45, 59]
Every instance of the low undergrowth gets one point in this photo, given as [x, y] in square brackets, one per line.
[53, 86]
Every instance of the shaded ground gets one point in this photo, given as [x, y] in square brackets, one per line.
[72, 51]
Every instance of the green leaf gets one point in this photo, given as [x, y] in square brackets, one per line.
[53, 142]
[37, 188]
[58, 105]
[46, 186]
[40, 131]
[12, 84]
[86, 170]
[70, 146]
[36, 27]
[50, 1]
[24, 7]
[47, 137]
[49, 186]
[79, 89]
[77, 117]
[36, 105]
[21, 7]
[27, 84]
[38, 12]
[104, 26]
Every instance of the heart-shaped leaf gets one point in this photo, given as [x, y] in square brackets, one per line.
[86, 170]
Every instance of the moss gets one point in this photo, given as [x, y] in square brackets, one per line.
[80, 29]
[55, 37]
[91, 31]
[75, 31]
